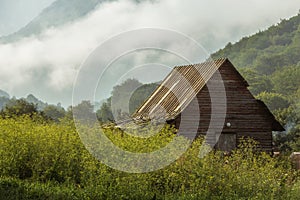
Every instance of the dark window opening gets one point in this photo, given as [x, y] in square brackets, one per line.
[226, 142]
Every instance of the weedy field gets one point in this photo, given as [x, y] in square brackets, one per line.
[47, 160]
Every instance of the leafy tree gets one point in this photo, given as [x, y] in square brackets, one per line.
[140, 95]
[117, 106]
[258, 82]
[104, 114]
[130, 92]
[69, 113]
[261, 41]
[291, 118]
[289, 142]
[84, 112]
[274, 101]
[19, 107]
[120, 97]
[268, 64]
[286, 81]
[248, 57]
[282, 40]
[54, 112]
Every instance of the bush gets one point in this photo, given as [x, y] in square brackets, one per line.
[40, 151]
[11, 189]
[274, 101]
[48, 161]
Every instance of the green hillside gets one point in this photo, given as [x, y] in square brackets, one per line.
[270, 62]
[270, 59]
[267, 51]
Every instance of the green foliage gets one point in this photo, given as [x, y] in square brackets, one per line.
[104, 114]
[274, 101]
[248, 57]
[291, 118]
[289, 142]
[267, 51]
[140, 95]
[48, 161]
[12, 189]
[30, 106]
[84, 111]
[54, 112]
[270, 62]
[39, 151]
[18, 108]
[286, 81]
[120, 98]
[146, 142]
[125, 99]
[258, 82]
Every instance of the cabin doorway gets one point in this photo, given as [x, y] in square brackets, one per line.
[227, 142]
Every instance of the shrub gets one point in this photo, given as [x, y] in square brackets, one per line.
[48, 161]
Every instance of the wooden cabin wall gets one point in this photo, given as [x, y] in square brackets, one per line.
[245, 115]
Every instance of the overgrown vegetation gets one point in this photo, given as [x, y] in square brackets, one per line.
[46, 160]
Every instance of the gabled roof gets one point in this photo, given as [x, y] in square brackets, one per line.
[177, 90]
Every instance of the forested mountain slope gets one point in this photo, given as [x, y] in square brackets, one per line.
[270, 62]
[267, 51]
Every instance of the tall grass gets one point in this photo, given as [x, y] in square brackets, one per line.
[42, 160]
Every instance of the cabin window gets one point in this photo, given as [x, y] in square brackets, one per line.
[226, 142]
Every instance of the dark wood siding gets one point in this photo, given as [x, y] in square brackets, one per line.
[244, 113]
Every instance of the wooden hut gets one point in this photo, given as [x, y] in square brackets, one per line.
[245, 116]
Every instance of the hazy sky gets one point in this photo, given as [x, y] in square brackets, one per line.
[47, 66]
[15, 14]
